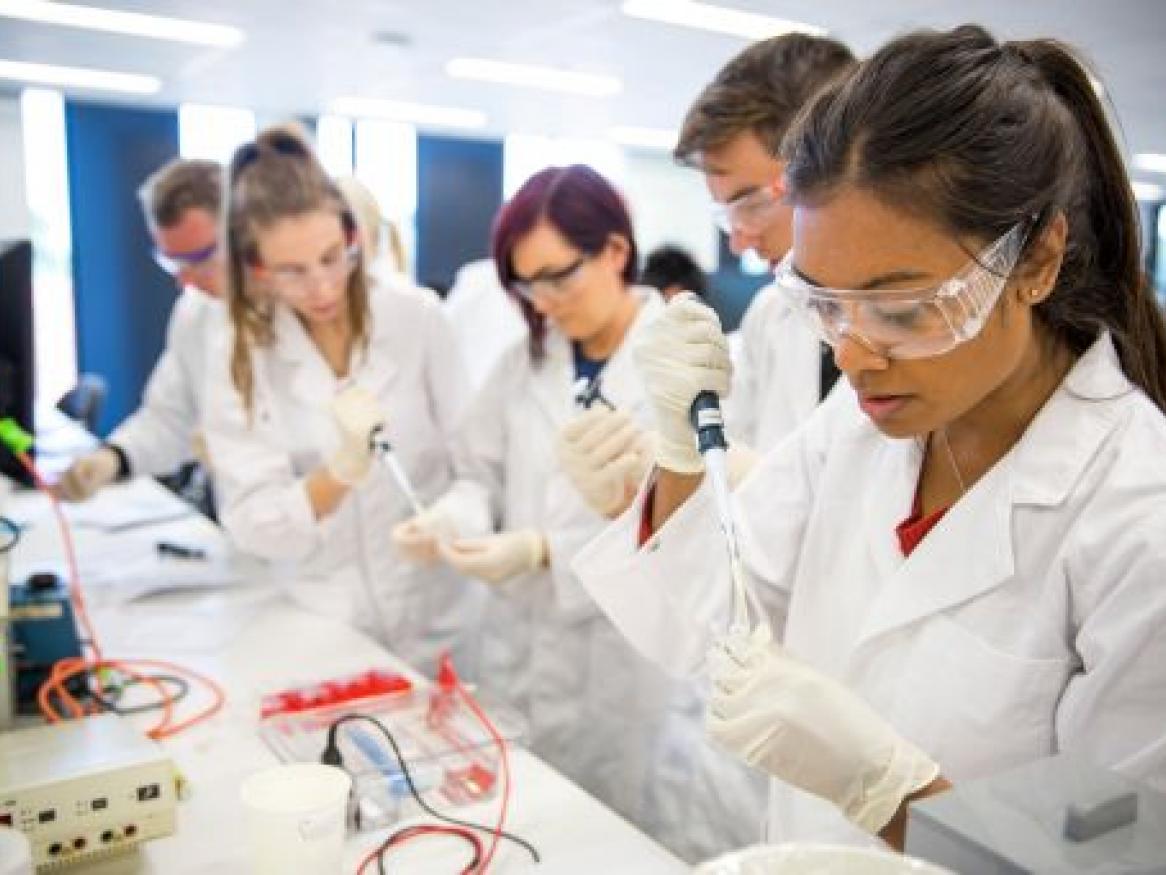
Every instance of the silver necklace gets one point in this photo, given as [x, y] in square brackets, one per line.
[951, 458]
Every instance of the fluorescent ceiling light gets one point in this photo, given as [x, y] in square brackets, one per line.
[79, 77]
[1147, 191]
[1151, 161]
[530, 76]
[663, 139]
[416, 113]
[115, 21]
[719, 19]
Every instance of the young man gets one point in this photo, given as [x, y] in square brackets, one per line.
[181, 202]
[702, 801]
[732, 134]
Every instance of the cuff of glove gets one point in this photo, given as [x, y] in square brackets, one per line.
[539, 552]
[680, 457]
[908, 771]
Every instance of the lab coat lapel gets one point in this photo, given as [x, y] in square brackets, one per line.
[967, 553]
[309, 378]
[971, 550]
[551, 381]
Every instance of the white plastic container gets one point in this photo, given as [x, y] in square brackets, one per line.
[15, 852]
[295, 819]
[810, 859]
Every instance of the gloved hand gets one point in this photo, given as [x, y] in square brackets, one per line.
[683, 352]
[357, 414]
[418, 538]
[88, 474]
[495, 558]
[812, 732]
[605, 455]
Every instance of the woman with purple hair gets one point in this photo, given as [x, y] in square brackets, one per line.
[565, 250]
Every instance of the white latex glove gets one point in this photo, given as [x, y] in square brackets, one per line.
[605, 455]
[357, 414]
[810, 731]
[418, 538]
[88, 474]
[682, 353]
[495, 558]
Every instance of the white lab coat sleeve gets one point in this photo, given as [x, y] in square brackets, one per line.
[671, 597]
[1113, 711]
[158, 437]
[263, 504]
[475, 500]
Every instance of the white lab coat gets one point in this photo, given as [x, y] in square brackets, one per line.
[598, 712]
[1028, 621]
[158, 437]
[776, 373]
[485, 319]
[344, 565]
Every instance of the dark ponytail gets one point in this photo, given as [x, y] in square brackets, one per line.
[1110, 217]
[982, 135]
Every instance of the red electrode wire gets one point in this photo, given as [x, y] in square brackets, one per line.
[447, 676]
[66, 669]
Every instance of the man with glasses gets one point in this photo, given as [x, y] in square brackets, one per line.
[732, 134]
[181, 202]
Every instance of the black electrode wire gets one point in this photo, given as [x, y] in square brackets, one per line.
[112, 703]
[331, 756]
[408, 832]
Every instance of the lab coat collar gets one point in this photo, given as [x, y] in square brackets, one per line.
[1055, 450]
[554, 377]
[375, 363]
[971, 550]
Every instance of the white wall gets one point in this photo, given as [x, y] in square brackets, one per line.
[14, 217]
[670, 204]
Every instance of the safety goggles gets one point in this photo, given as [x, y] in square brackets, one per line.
[748, 214]
[175, 263]
[909, 323]
[299, 280]
[553, 285]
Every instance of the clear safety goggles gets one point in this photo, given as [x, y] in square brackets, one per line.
[175, 263]
[299, 280]
[909, 323]
[748, 214]
[553, 285]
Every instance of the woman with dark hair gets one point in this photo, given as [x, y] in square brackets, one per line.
[564, 248]
[962, 557]
[318, 359]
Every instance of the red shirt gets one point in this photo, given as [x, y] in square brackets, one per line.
[914, 528]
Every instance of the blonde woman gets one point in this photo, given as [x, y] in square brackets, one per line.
[319, 363]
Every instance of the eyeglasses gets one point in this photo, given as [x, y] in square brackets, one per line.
[909, 323]
[554, 284]
[749, 213]
[298, 280]
[175, 263]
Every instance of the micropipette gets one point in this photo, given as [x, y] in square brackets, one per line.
[707, 420]
[384, 450]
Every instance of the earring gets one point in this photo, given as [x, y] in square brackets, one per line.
[1034, 293]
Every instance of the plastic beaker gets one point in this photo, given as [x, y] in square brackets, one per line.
[815, 859]
[295, 819]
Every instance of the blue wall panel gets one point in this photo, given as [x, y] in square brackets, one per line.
[459, 187]
[123, 300]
